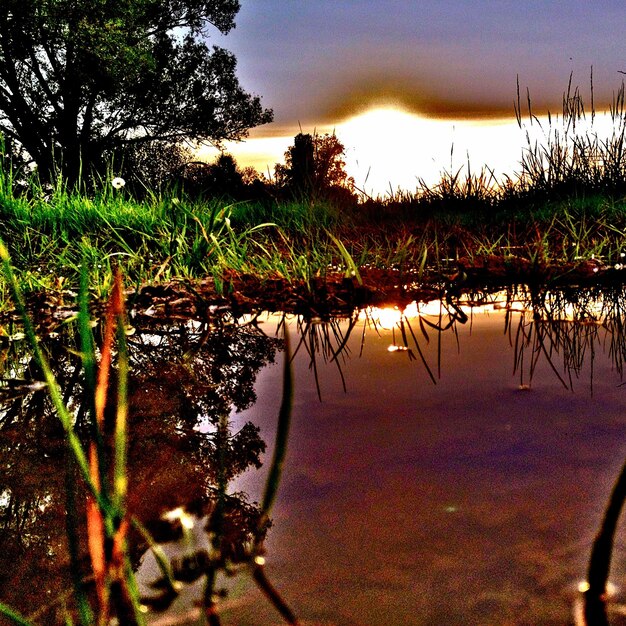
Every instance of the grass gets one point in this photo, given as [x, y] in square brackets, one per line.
[49, 236]
[107, 523]
[567, 204]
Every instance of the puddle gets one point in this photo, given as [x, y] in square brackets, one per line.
[458, 478]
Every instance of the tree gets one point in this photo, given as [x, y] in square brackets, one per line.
[315, 168]
[149, 166]
[12, 158]
[219, 179]
[80, 79]
[298, 173]
[223, 177]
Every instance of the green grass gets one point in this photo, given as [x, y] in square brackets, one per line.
[106, 513]
[50, 235]
[568, 204]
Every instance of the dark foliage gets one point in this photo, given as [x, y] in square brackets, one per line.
[220, 179]
[314, 169]
[151, 165]
[80, 79]
[224, 180]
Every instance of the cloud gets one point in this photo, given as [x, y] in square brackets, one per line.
[326, 61]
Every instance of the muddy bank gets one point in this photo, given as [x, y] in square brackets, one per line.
[336, 294]
[332, 295]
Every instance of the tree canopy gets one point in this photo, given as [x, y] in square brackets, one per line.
[80, 79]
[315, 168]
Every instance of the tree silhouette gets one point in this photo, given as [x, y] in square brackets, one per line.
[299, 172]
[315, 168]
[220, 179]
[80, 79]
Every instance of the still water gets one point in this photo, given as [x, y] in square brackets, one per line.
[449, 466]
[470, 501]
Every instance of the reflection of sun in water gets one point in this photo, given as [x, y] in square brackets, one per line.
[386, 318]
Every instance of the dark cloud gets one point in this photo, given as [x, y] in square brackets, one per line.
[319, 60]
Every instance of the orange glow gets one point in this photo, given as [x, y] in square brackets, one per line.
[385, 318]
[389, 148]
[388, 318]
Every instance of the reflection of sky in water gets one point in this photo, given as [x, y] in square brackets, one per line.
[468, 501]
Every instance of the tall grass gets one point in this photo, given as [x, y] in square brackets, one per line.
[572, 156]
[575, 155]
[107, 521]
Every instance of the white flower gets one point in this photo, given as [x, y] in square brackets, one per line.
[118, 182]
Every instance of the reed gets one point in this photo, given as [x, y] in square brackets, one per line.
[107, 521]
[572, 157]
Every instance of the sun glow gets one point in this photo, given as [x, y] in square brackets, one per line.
[390, 149]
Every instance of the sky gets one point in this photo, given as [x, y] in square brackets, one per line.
[322, 64]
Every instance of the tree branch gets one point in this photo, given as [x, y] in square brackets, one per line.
[43, 83]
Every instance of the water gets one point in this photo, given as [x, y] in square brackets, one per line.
[462, 486]
[472, 501]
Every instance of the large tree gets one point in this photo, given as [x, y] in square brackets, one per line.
[80, 79]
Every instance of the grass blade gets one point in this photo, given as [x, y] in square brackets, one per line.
[282, 435]
[14, 616]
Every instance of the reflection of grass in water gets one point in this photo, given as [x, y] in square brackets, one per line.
[106, 478]
[563, 328]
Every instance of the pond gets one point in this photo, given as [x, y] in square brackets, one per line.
[450, 464]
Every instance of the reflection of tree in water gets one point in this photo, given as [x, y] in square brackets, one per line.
[224, 360]
[185, 382]
[32, 457]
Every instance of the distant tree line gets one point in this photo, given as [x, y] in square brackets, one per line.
[314, 170]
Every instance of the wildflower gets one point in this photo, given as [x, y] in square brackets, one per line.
[118, 182]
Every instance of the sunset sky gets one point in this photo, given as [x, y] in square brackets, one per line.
[429, 74]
